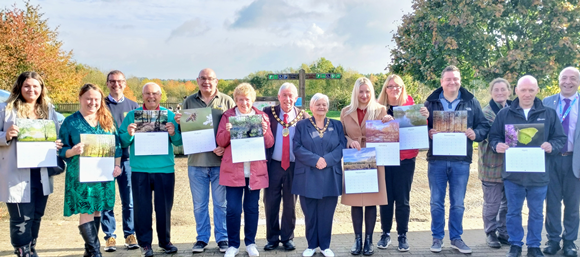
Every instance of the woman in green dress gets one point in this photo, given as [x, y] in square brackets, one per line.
[88, 198]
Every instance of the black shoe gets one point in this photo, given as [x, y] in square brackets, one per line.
[199, 247]
[289, 245]
[223, 246]
[569, 249]
[515, 251]
[504, 240]
[368, 248]
[357, 247]
[535, 252]
[492, 240]
[89, 234]
[169, 248]
[403, 245]
[271, 245]
[385, 241]
[552, 247]
[23, 251]
[146, 251]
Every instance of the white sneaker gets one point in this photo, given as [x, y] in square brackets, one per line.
[252, 250]
[308, 252]
[328, 253]
[231, 252]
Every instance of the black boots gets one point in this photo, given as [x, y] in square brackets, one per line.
[368, 248]
[32, 250]
[92, 244]
[357, 247]
[97, 226]
[23, 251]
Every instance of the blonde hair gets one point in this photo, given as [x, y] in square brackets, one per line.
[373, 108]
[103, 115]
[500, 80]
[384, 96]
[17, 102]
[245, 89]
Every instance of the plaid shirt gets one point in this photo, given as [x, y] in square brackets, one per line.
[490, 164]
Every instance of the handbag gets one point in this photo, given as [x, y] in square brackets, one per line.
[60, 168]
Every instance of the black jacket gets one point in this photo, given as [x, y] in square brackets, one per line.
[475, 120]
[553, 133]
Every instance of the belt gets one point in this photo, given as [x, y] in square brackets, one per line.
[567, 154]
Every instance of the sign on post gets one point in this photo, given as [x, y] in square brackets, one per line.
[302, 76]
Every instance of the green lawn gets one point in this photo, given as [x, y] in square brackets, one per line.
[331, 114]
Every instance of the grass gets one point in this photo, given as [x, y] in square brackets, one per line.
[331, 114]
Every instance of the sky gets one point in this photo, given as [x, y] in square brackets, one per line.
[176, 39]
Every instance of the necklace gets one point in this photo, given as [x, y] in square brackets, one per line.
[286, 131]
[320, 131]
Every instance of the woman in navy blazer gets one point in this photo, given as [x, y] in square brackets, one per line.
[318, 144]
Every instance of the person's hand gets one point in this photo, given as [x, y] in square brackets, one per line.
[321, 163]
[170, 128]
[117, 171]
[355, 144]
[423, 111]
[264, 126]
[131, 129]
[178, 117]
[228, 126]
[78, 149]
[470, 134]
[387, 118]
[219, 151]
[58, 144]
[547, 147]
[12, 132]
[501, 147]
[432, 132]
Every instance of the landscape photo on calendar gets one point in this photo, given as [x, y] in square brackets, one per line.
[379, 132]
[409, 116]
[151, 120]
[246, 126]
[36, 130]
[196, 119]
[363, 159]
[98, 145]
[450, 121]
[524, 135]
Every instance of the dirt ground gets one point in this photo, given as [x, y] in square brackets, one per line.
[183, 223]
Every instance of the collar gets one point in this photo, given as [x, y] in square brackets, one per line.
[217, 94]
[571, 97]
[145, 108]
[442, 96]
[115, 101]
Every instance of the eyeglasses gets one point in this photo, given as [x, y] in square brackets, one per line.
[116, 81]
[206, 79]
[152, 94]
[393, 87]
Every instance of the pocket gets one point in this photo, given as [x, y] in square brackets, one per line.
[338, 170]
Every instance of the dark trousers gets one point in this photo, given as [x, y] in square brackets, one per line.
[108, 216]
[144, 185]
[280, 189]
[25, 217]
[238, 198]
[398, 181]
[563, 186]
[318, 215]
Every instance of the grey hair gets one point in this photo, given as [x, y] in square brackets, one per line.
[572, 69]
[316, 97]
[152, 84]
[287, 85]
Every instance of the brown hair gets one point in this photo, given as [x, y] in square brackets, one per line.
[115, 72]
[448, 69]
[16, 100]
[103, 114]
[384, 97]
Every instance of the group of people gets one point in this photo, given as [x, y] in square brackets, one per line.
[303, 160]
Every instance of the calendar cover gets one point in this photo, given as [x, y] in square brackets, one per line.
[409, 116]
[360, 171]
[377, 131]
[451, 121]
[524, 135]
[150, 121]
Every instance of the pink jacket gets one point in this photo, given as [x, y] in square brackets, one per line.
[232, 174]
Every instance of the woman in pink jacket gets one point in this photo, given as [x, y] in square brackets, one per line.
[243, 180]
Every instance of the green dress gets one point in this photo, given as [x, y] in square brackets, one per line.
[84, 197]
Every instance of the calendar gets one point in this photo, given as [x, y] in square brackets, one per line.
[525, 159]
[387, 153]
[361, 181]
[450, 144]
[414, 138]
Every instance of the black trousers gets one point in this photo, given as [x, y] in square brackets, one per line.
[25, 217]
[398, 181]
[144, 185]
[563, 187]
[280, 189]
[318, 215]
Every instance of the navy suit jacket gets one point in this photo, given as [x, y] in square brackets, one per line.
[309, 181]
[274, 125]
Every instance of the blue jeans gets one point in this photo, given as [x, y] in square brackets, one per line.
[108, 216]
[457, 174]
[200, 179]
[516, 195]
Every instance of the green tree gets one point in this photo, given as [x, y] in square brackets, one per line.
[488, 39]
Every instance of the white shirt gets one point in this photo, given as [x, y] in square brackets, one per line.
[246, 164]
[573, 116]
[277, 154]
[526, 111]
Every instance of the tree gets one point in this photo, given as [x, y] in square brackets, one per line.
[488, 39]
[28, 44]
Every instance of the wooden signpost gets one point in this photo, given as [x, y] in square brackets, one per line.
[302, 76]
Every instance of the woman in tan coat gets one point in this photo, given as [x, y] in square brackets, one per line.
[363, 107]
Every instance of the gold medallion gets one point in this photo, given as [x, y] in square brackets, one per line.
[285, 132]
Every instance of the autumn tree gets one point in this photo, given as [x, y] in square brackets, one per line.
[27, 43]
[488, 39]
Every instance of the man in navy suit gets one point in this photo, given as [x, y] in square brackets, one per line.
[564, 182]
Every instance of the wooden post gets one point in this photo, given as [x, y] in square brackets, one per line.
[302, 87]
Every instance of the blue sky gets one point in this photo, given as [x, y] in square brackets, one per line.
[175, 39]
[354, 155]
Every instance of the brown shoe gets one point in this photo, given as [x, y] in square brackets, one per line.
[131, 242]
[111, 245]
